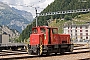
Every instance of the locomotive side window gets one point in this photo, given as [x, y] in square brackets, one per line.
[54, 31]
[42, 30]
[35, 31]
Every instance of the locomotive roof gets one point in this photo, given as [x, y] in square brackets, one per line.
[44, 27]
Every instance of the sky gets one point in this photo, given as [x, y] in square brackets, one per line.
[28, 5]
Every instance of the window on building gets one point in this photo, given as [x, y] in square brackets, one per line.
[76, 37]
[86, 30]
[81, 37]
[71, 30]
[68, 31]
[71, 27]
[71, 34]
[80, 34]
[76, 27]
[86, 37]
[86, 34]
[80, 30]
[68, 27]
[76, 34]
[75, 30]
[80, 27]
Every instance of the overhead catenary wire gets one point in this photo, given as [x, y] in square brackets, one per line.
[50, 13]
[57, 12]
[64, 12]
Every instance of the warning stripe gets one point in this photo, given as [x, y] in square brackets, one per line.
[40, 45]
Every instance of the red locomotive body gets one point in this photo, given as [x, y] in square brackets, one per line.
[46, 40]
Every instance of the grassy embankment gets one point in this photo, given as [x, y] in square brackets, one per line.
[80, 19]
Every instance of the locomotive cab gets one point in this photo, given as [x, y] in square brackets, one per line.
[46, 40]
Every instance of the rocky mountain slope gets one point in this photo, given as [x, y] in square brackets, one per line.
[12, 33]
[13, 18]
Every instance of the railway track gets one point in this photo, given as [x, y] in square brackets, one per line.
[7, 54]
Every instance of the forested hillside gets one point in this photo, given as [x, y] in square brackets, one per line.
[57, 5]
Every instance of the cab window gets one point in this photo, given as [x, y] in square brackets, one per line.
[54, 31]
[42, 30]
[34, 31]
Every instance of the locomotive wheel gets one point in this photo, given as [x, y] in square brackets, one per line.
[47, 53]
[62, 51]
[55, 53]
[38, 52]
[14, 49]
[0, 50]
[28, 52]
[71, 48]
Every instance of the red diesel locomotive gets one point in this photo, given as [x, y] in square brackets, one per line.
[46, 40]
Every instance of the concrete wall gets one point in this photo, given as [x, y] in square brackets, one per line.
[4, 39]
[0, 38]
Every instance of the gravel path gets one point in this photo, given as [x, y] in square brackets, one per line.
[63, 57]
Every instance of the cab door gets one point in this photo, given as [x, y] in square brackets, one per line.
[54, 36]
[49, 36]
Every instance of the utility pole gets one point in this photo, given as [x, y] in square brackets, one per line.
[36, 16]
